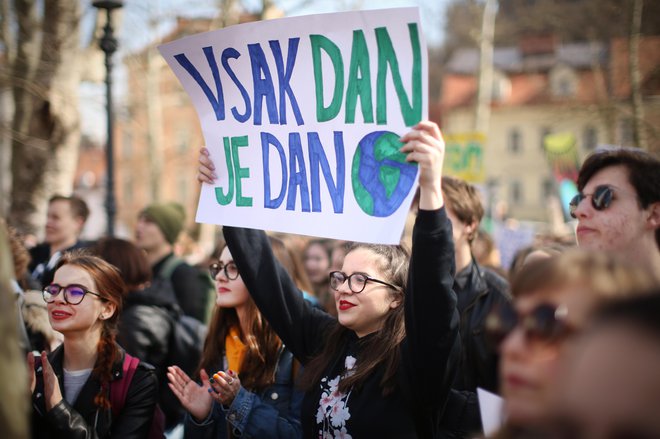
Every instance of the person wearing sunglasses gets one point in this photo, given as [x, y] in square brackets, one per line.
[384, 366]
[251, 391]
[554, 298]
[610, 385]
[618, 205]
[71, 386]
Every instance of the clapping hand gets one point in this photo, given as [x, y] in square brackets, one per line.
[193, 397]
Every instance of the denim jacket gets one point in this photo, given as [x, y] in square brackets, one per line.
[273, 413]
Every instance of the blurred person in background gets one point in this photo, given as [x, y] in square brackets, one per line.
[554, 300]
[158, 228]
[618, 205]
[71, 386]
[317, 258]
[251, 392]
[66, 217]
[479, 290]
[610, 385]
[145, 323]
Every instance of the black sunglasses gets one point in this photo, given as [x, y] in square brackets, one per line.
[73, 294]
[356, 281]
[546, 323]
[230, 269]
[601, 199]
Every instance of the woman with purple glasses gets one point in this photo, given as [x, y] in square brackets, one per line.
[553, 300]
[71, 387]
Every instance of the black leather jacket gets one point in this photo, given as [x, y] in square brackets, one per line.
[479, 290]
[84, 419]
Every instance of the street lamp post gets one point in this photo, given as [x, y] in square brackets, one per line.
[109, 44]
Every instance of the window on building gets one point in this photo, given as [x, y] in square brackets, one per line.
[126, 143]
[128, 190]
[589, 138]
[626, 132]
[563, 81]
[544, 132]
[515, 142]
[182, 140]
[516, 193]
[547, 189]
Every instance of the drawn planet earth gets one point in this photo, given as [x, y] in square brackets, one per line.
[380, 175]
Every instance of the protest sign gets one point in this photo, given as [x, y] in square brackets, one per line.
[464, 156]
[302, 117]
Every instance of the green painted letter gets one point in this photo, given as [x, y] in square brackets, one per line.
[319, 42]
[221, 198]
[359, 81]
[241, 173]
[411, 113]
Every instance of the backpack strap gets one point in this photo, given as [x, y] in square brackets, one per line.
[171, 264]
[119, 388]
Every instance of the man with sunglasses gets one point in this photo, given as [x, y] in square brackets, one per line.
[618, 205]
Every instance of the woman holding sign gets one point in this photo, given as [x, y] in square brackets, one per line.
[384, 366]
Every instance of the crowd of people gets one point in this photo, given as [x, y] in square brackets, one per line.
[333, 339]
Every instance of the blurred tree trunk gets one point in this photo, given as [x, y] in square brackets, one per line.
[46, 126]
[15, 409]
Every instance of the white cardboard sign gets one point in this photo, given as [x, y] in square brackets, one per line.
[302, 117]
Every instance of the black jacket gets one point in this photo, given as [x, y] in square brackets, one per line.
[145, 331]
[84, 419]
[429, 354]
[479, 290]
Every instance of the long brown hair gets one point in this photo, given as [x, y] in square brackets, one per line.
[111, 287]
[381, 347]
[262, 346]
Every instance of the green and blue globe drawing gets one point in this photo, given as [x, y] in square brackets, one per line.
[380, 175]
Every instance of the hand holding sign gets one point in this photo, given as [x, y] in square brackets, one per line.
[424, 145]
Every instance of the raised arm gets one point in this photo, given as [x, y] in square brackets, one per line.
[300, 326]
[432, 345]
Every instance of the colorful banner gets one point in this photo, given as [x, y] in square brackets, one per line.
[302, 117]
[561, 152]
[464, 156]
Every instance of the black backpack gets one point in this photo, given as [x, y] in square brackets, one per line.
[187, 334]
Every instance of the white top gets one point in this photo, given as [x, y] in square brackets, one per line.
[74, 380]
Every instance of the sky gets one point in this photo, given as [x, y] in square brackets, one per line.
[143, 21]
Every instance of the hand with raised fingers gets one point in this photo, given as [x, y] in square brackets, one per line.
[225, 386]
[424, 145]
[52, 392]
[193, 397]
[206, 170]
[32, 377]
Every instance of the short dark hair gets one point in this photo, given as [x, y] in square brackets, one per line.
[463, 200]
[129, 259]
[643, 173]
[640, 312]
[78, 206]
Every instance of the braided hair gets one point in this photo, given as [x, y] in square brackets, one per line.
[111, 287]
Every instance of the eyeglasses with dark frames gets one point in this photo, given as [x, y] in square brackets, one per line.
[73, 294]
[546, 323]
[230, 269]
[601, 199]
[357, 282]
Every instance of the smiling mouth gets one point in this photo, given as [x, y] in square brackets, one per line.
[344, 305]
[58, 315]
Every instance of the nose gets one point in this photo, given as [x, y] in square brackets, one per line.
[583, 208]
[513, 345]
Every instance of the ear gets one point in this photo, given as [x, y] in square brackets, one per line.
[108, 310]
[654, 215]
[396, 303]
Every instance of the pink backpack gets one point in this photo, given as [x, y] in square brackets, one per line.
[119, 390]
